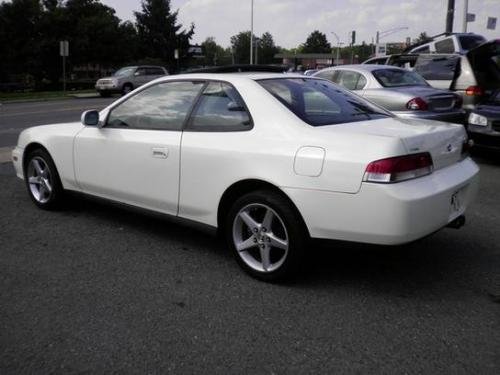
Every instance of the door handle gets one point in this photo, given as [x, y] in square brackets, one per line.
[160, 152]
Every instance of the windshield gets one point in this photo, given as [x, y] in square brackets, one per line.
[319, 102]
[124, 71]
[398, 78]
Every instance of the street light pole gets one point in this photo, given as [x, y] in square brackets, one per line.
[251, 33]
[466, 10]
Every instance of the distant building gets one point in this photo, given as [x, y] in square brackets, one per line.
[311, 60]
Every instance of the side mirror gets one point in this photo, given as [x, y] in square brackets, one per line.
[233, 107]
[90, 118]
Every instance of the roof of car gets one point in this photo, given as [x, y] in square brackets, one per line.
[364, 67]
[235, 76]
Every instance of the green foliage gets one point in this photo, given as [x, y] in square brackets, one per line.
[160, 34]
[30, 32]
[240, 47]
[264, 48]
[316, 43]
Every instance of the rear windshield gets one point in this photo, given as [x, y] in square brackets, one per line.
[398, 78]
[319, 102]
[470, 41]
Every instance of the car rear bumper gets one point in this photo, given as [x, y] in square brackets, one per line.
[457, 116]
[390, 214]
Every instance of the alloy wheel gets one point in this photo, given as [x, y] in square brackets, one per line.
[260, 237]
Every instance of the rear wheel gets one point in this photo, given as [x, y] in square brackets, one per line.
[266, 235]
[42, 180]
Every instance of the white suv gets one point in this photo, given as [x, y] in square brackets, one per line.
[450, 43]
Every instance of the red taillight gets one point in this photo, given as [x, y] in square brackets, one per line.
[417, 104]
[474, 91]
[399, 168]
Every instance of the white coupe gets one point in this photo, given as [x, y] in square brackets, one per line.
[270, 160]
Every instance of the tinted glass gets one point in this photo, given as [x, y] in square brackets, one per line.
[154, 71]
[220, 108]
[398, 78]
[445, 46]
[124, 72]
[140, 72]
[162, 106]
[425, 49]
[318, 102]
[470, 41]
[437, 68]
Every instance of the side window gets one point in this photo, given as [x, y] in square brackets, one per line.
[445, 46]
[154, 72]
[160, 107]
[361, 82]
[220, 108]
[327, 74]
[425, 49]
[140, 72]
[336, 76]
[350, 80]
[437, 68]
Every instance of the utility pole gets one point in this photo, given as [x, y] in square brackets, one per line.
[449, 16]
[466, 10]
[251, 33]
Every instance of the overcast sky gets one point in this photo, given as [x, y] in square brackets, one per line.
[291, 21]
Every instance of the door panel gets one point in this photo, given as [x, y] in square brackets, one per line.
[138, 167]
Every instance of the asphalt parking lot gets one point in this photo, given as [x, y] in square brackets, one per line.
[99, 289]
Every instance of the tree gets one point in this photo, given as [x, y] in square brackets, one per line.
[422, 38]
[214, 53]
[240, 47]
[267, 49]
[316, 43]
[19, 38]
[160, 34]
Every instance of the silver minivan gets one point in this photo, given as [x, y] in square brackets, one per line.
[128, 78]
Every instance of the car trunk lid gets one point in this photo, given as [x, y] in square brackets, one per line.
[437, 100]
[442, 140]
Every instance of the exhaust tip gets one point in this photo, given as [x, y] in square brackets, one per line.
[457, 223]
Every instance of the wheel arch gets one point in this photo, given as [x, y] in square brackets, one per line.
[32, 147]
[238, 189]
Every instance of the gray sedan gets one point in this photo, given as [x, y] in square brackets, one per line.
[400, 91]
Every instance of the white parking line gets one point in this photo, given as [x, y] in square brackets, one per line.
[6, 154]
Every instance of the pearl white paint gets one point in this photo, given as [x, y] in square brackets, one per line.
[319, 168]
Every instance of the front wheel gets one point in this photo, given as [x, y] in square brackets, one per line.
[127, 88]
[266, 234]
[42, 180]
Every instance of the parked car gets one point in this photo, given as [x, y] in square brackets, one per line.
[400, 91]
[484, 125]
[128, 78]
[475, 75]
[270, 160]
[448, 43]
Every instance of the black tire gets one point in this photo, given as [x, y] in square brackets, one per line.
[127, 88]
[52, 199]
[287, 262]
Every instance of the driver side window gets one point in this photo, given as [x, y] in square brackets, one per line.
[163, 106]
